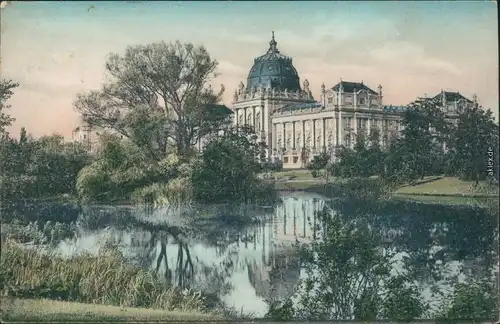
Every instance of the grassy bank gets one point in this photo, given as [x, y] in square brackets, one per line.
[432, 186]
[43, 310]
[105, 279]
[448, 186]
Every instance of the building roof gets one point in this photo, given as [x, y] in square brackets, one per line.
[351, 86]
[450, 96]
[273, 69]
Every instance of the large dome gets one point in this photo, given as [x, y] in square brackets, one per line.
[273, 69]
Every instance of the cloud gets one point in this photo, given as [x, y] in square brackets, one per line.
[229, 68]
[411, 56]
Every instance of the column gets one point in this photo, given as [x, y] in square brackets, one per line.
[341, 126]
[314, 225]
[284, 220]
[275, 135]
[355, 124]
[336, 128]
[253, 116]
[262, 119]
[324, 134]
[294, 223]
[369, 124]
[245, 116]
[284, 135]
[314, 133]
[305, 226]
[380, 131]
[293, 135]
[303, 133]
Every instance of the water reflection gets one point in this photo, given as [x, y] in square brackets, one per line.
[247, 265]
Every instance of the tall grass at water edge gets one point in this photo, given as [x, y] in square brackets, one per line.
[103, 279]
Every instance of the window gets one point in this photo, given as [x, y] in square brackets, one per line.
[84, 136]
[330, 100]
[285, 159]
[295, 159]
[361, 101]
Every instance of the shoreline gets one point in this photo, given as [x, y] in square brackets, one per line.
[43, 310]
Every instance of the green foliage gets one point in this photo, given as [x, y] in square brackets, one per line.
[227, 170]
[119, 169]
[38, 232]
[104, 279]
[364, 160]
[472, 300]
[273, 166]
[470, 142]
[176, 192]
[37, 168]
[319, 161]
[6, 92]
[348, 278]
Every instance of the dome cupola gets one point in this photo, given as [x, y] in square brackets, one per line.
[273, 70]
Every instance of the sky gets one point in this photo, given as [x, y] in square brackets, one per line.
[58, 49]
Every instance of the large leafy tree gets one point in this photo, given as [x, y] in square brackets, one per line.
[474, 136]
[424, 129]
[228, 167]
[364, 160]
[158, 95]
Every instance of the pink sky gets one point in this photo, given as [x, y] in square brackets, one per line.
[56, 50]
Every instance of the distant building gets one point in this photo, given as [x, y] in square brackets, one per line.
[88, 136]
[296, 127]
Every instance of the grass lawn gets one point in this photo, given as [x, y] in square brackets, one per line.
[444, 186]
[294, 175]
[42, 310]
[449, 200]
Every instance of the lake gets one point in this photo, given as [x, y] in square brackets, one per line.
[247, 265]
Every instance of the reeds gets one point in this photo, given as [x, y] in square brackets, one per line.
[103, 279]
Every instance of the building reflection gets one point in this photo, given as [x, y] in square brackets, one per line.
[277, 273]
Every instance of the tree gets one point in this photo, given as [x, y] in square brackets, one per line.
[228, 167]
[471, 140]
[119, 168]
[159, 95]
[364, 160]
[36, 168]
[424, 126]
[6, 92]
[319, 162]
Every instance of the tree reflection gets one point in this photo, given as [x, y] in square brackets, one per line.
[373, 260]
[432, 235]
[155, 244]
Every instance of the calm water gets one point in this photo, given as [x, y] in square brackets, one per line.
[238, 263]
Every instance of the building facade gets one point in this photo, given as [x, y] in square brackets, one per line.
[296, 127]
